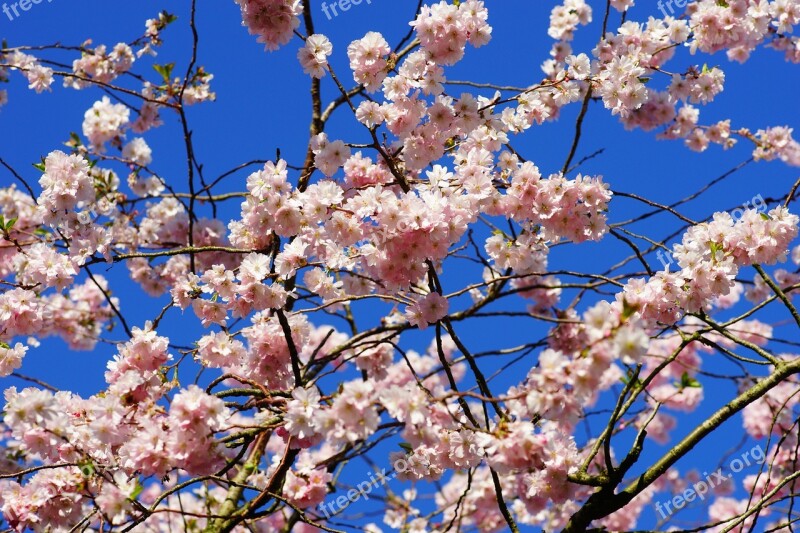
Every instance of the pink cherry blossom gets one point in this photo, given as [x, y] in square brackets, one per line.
[265, 324]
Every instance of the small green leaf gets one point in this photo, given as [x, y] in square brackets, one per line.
[4, 345]
[165, 71]
[627, 379]
[168, 18]
[74, 140]
[407, 447]
[688, 381]
[39, 166]
[765, 216]
[627, 309]
[137, 490]
[10, 223]
[86, 468]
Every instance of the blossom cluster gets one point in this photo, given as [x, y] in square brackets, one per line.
[709, 257]
[273, 21]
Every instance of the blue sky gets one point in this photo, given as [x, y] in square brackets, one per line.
[263, 105]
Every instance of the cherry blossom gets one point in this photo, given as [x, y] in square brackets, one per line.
[294, 333]
[314, 55]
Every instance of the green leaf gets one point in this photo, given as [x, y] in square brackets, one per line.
[407, 447]
[74, 140]
[688, 381]
[136, 491]
[87, 468]
[165, 71]
[765, 216]
[10, 223]
[627, 309]
[168, 18]
[627, 379]
[39, 166]
[4, 345]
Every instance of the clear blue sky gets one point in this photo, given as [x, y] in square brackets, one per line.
[263, 104]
